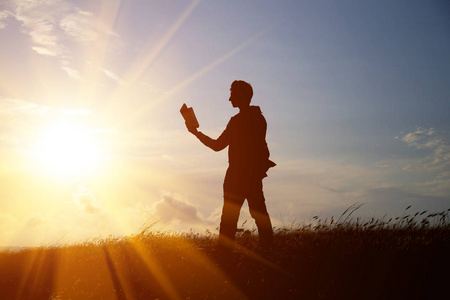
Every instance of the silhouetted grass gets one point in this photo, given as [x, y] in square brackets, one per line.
[344, 258]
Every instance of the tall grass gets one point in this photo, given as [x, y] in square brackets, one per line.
[335, 258]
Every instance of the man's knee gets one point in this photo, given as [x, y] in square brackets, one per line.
[259, 213]
[257, 206]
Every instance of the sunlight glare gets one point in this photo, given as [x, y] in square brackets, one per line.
[68, 150]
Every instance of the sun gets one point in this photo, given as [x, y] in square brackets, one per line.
[65, 149]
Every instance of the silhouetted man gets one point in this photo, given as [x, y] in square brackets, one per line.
[248, 158]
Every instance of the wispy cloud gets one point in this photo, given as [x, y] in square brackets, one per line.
[20, 107]
[112, 75]
[422, 138]
[75, 74]
[3, 15]
[80, 26]
[44, 51]
[51, 24]
[436, 144]
[38, 20]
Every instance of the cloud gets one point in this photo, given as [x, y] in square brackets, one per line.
[71, 72]
[38, 20]
[437, 146]
[26, 5]
[52, 23]
[20, 119]
[44, 51]
[65, 66]
[86, 201]
[112, 75]
[170, 209]
[43, 33]
[20, 107]
[422, 138]
[3, 16]
[79, 26]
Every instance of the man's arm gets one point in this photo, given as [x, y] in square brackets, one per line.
[216, 145]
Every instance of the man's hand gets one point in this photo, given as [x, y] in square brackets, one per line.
[191, 129]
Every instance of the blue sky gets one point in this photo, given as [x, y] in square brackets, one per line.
[356, 95]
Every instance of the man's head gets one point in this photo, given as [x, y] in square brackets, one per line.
[241, 93]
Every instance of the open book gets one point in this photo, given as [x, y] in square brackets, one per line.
[189, 116]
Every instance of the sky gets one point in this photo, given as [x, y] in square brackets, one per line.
[356, 95]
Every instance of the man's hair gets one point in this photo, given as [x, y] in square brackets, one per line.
[244, 89]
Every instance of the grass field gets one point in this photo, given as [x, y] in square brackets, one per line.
[345, 258]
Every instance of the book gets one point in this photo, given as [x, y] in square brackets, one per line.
[189, 116]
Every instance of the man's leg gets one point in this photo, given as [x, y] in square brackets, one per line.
[232, 204]
[258, 210]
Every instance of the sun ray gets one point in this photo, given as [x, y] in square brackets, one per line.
[142, 64]
[151, 263]
[114, 274]
[30, 261]
[96, 55]
[215, 273]
[39, 278]
[185, 83]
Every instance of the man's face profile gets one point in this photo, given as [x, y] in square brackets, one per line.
[234, 98]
